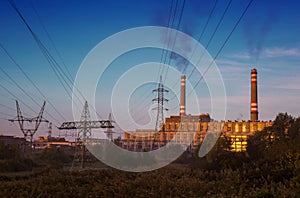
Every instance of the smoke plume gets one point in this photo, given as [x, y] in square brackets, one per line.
[257, 26]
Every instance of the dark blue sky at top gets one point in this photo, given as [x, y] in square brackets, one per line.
[267, 38]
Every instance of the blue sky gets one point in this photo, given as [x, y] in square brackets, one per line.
[267, 39]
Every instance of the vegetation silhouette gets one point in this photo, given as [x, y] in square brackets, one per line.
[269, 168]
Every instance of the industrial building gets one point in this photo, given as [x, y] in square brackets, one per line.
[191, 130]
[12, 141]
[44, 142]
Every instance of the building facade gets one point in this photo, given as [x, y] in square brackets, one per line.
[43, 142]
[191, 130]
[12, 141]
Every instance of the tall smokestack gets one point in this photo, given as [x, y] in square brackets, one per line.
[254, 106]
[182, 96]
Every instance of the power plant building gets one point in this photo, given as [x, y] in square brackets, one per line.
[191, 129]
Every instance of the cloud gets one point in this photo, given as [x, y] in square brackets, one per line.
[226, 65]
[242, 56]
[278, 88]
[279, 52]
[272, 52]
[271, 104]
[284, 82]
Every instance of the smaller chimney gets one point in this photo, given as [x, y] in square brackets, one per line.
[182, 96]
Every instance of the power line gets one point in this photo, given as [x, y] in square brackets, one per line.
[31, 81]
[210, 39]
[160, 105]
[7, 107]
[212, 36]
[206, 24]
[29, 132]
[25, 92]
[199, 38]
[223, 45]
[57, 69]
[16, 97]
[164, 51]
[12, 109]
[6, 114]
[50, 39]
[203, 30]
[167, 36]
[177, 28]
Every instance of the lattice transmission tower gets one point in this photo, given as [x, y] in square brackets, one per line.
[160, 100]
[35, 121]
[109, 132]
[85, 132]
[84, 127]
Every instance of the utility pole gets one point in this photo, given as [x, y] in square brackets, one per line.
[29, 132]
[85, 126]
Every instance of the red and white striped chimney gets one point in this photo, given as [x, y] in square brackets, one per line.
[182, 96]
[254, 106]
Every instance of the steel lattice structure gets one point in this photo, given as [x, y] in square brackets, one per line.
[29, 132]
[89, 124]
[160, 104]
[85, 126]
[109, 131]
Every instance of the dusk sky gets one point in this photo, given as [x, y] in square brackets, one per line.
[267, 38]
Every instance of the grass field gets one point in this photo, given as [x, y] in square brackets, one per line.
[172, 181]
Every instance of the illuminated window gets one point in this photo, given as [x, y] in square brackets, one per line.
[244, 128]
[236, 127]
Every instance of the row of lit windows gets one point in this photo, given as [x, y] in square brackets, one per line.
[245, 127]
[193, 126]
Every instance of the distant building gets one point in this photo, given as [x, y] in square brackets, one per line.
[44, 142]
[12, 141]
[191, 130]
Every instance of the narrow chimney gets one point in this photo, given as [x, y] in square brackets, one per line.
[182, 96]
[254, 106]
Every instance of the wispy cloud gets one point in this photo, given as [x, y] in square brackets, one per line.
[231, 66]
[279, 52]
[269, 104]
[284, 82]
[229, 62]
[283, 103]
[243, 55]
[270, 53]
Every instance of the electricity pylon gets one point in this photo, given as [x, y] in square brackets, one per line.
[84, 126]
[29, 132]
[160, 105]
[159, 125]
[109, 132]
